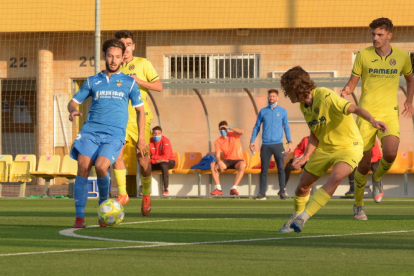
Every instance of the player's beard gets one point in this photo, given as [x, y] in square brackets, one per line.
[109, 69]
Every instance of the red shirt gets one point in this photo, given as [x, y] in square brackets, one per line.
[300, 148]
[161, 150]
[375, 152]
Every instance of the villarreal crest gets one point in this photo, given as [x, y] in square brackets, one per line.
[118, 83]
[131, 67]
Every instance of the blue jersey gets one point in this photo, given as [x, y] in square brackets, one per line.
[274, 122]
[109, 108]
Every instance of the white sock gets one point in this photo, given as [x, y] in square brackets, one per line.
[218, 187]
[234, 187]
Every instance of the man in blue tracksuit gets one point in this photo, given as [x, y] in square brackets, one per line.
[275, 121]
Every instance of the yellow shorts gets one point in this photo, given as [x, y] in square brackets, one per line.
[131, 139]
[321, 160]
[369, 133]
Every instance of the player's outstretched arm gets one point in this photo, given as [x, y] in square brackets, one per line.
[408, 104]
[73, 111]
[141, 144]
[310, 148]
[367, 116]
[350, 86]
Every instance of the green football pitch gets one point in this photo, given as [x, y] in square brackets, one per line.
[206, 237]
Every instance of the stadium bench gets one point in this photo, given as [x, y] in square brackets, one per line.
[5, 161]
[177, 164]
[46, 169]
[69, 170]
[20, 170]
[402, 165]
[189, 159]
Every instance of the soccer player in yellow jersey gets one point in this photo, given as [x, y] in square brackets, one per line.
[147, 78]
[334, 141]
[380, 67]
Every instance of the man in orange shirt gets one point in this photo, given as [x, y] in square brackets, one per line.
[161, 155]
[229, 144]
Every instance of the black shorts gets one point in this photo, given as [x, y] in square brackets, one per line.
[230, 164]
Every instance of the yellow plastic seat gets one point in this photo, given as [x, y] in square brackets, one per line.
[403, 164]
[20, 170]
[5, 161]
[69, 170]
[48, 166]
[189, 159]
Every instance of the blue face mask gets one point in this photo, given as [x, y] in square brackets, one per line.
[223, 133]
[273, 105]
[157, 138]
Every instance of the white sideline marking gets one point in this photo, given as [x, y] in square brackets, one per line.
[70, 232]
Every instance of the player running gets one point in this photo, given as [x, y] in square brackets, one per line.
[147, 78]
[380, 67]
[334, 141]
[102, 136]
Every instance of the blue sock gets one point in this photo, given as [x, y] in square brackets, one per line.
[80, 192]
[103, 186]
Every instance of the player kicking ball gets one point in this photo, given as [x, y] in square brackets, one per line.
[102, 136]
[334, 141]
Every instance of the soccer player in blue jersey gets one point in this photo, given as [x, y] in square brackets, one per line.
[102, 136]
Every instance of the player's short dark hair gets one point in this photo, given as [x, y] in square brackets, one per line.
[273, 91]
[113, 43]
[382, 23]
[223, 123]
[298, 81]
[124, 34]
[156, 128]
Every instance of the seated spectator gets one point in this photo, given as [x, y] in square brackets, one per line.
[375, 158]
[229, 144]
[297, 153]
[161, 155]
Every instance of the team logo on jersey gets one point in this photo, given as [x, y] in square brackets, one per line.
[131, 67]
[375, 60]
[118, 83]
[98, 82]
[393, 62]
[316, 111]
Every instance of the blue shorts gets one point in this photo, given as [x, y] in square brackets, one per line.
[93, 144]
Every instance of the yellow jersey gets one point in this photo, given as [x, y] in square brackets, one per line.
[143, 69]
[380, 79]
[328, 118]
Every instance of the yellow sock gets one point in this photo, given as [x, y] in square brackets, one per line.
[318, 200]
[300, 203]
[120, 177]
[382, 169]
[146, 185]
[359, 188]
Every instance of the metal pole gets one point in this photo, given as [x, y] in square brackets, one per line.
[97, 36]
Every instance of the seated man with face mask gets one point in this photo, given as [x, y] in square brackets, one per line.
[229, 144]
[161, 155]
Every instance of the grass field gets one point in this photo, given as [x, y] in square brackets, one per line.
[206, 237]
